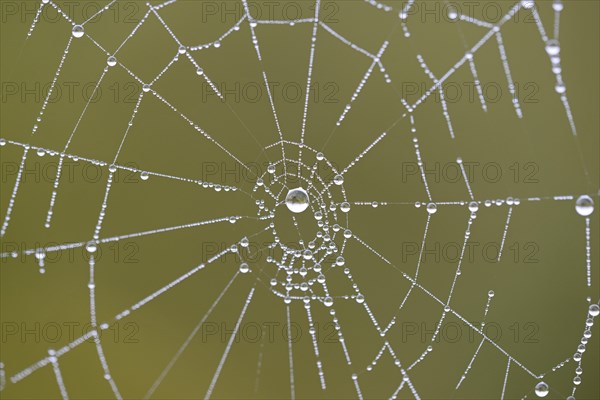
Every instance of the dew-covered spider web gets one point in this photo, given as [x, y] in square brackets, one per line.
[298, 199]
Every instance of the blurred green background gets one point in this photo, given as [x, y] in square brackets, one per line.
[540, 302]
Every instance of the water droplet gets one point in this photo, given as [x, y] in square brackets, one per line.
[345, 207]
[560, 88]
[347, 233]
[146, 88]
[552, 47]
[182, 49]
[340, 261]
[41, 152]
[320, 156]
[111, 61]
[594, 310]
[200, 71]
[431, 208]
[584, 205]
[244, 268]
[40, 254]
[91, 247]
[271, 169]
[541, 389]
[244, 242]
[491, 293]
[473, 206]
[144, 176]
[328, 301]
[577, 380]
[557, 5]
[2, 142]
[452, 14]
[589, 322]
[307, 254]
[527, 3]
[297, 200]
[338, 180]
[321, 278]
[77, 31]
[360, 298]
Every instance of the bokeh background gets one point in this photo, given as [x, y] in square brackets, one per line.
[540, 302]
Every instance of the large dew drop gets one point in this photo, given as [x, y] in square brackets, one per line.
[473, 206]
[244, 268]
[552, 47]
[77, 31]
[297, 200]
[584, 205]
[91, 247]
[541, 389]
[431, 208]
[557, 5]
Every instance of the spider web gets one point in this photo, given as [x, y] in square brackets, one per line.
[339, 262]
